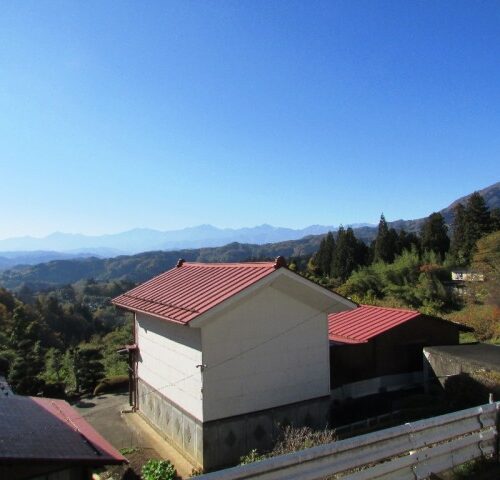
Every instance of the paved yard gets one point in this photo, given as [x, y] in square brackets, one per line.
[110, 415]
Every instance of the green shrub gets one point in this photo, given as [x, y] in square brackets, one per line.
[158, 470]
[252, 456]
[128, 450]
[112, 384]
[292, 439]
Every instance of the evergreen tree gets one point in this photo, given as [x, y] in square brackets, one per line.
[28, 363]
[495, 219]
[478, 219]
[385, 243]
[434, 235]
[407, 241]
[323, 257]
[458, 244]
[470, 224]
[349, 253]
[88, 368]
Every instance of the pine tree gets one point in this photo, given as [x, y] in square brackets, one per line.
[385, 243]
[28, 363]
[458, 244]
[478, 219]
[495, 219]
[470, 224]
[407, 241]
[323, 257]
[349, 254]
[88, 368]
[434, 235]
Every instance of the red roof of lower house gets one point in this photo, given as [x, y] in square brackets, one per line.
[190, 289]
[365, 322]
[34, 430]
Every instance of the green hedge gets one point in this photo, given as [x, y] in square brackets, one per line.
[112, 384]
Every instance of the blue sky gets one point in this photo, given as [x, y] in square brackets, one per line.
[117, 115]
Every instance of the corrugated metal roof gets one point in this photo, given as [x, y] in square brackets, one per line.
[365, 322]
[190, 289]
[43, 429]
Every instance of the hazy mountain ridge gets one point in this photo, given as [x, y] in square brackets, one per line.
[144, 239]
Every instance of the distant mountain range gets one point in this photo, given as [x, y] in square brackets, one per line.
[144, 239]
[68, 267]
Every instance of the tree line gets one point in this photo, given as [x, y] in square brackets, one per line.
[340, 255]
[62, 341]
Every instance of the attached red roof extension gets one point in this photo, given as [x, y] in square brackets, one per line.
[365, 322]
[190, 289]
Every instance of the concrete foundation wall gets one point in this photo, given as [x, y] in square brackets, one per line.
[176, 425]
[226, 440]
[221, 443]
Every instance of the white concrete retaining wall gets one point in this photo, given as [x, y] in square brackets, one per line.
[372, 386]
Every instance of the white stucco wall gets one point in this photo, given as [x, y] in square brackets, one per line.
[168, 353]
[269, 350]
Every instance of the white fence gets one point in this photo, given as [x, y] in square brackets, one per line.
[411, 451]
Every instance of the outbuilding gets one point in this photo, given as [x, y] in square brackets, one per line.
[225, 352]
[376, 349]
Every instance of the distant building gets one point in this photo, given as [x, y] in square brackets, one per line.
[45, 439]
[225, 352]
[467, 276]
[376, 349]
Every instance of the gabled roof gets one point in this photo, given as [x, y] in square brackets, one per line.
[191, 289]
[34, 430]
[365, 322]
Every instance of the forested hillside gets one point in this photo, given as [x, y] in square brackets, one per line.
[143, 266]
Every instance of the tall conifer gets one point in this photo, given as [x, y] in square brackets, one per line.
[434, 235]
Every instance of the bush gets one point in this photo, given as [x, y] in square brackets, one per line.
[158, 470]
[112, 384]
[292, 439]
[252, 456]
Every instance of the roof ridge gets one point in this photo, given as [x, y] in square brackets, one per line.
[230, 264]
[397, 309]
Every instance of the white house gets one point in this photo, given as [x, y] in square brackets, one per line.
[225, 352]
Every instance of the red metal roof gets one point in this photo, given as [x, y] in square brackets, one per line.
[190, 289]
[365, 322]
[47, 430]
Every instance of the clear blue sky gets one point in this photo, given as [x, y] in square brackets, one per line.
[169, 114]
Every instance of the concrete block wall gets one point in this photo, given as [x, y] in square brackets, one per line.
[228, 439]
[180, 428]
[221, 443]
